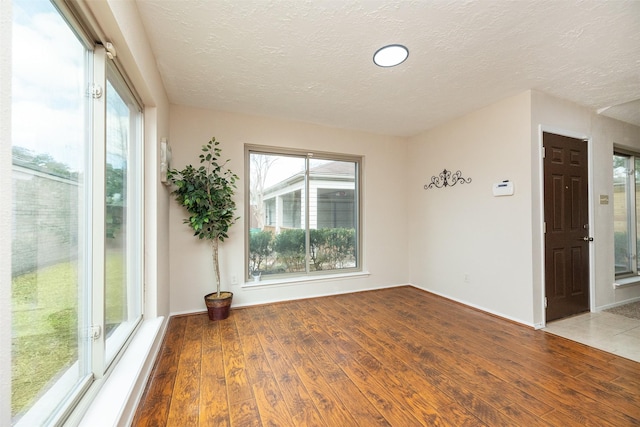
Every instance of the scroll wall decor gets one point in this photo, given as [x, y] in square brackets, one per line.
[447, 179]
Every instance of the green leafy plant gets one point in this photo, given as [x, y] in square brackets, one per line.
[317, 243]
[206, 193]
[290, 247]
[341, 246]
[260, 249]
[331, 248]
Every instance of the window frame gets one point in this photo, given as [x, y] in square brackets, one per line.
[135, 214]
[98, 69]
[307, 155]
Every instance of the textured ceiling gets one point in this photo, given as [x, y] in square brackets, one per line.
[311, 60]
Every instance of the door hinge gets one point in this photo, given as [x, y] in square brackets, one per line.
[544, 228]
[545, 302]
[544, 152]
[95, 332]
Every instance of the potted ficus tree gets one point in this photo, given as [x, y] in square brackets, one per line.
[206, 193]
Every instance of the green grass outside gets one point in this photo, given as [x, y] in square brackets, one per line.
[45, 324]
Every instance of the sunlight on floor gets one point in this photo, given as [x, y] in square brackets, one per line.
[609, 332]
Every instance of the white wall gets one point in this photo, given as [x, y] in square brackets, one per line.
[605, 133]
[463, 232]
[385, 206]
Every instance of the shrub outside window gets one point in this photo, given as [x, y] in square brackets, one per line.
[303, 213]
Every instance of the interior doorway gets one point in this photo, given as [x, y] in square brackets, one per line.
[566, 225]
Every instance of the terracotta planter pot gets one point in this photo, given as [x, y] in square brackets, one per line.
[218, 307]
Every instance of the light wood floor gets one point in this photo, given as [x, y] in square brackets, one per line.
[393, 357]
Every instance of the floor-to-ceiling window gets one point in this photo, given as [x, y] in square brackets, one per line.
[123, 212]
[626, 212]
[76, 213]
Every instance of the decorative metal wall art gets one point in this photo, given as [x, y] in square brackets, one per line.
[447, 179]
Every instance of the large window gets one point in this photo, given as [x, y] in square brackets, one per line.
[303, 212]
[76, 214]
[626, 216]
[123, 213]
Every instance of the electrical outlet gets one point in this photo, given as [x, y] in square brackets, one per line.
[467, 278]
[234, 280]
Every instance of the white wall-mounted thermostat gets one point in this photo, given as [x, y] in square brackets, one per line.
[504, 188]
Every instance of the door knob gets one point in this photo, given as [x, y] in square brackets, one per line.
[587, 239]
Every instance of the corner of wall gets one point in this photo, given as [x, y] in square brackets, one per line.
[465, 243]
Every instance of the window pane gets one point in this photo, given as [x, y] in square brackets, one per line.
[122, 280]
[622, 214]
[49, 290]
[332, 214]
[292, 233]
[277, 235]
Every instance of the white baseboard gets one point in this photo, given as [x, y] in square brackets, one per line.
[301, 297]
[484, 309]
[616, 304]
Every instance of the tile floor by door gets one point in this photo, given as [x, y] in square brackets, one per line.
[609, 332]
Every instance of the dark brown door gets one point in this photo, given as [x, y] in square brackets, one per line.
[566, 216]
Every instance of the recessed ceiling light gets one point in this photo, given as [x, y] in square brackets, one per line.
[391, 55]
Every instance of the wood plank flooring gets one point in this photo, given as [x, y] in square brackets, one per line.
[392, 357]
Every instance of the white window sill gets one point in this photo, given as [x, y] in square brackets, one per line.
[286, 281]
[113, 405]
[626, 282]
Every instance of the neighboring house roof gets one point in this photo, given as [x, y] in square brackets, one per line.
[331, 171]
[333, 168]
